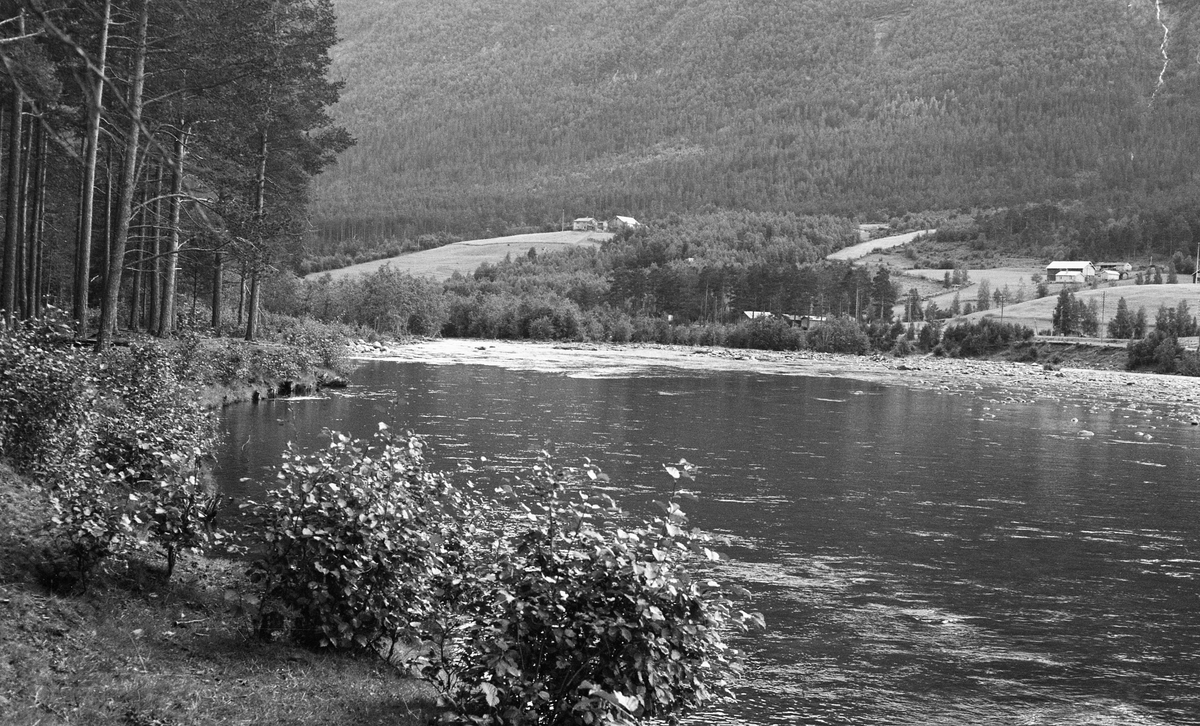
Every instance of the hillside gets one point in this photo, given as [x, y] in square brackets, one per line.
[510, 113]
[465, 257]
[1037, 314]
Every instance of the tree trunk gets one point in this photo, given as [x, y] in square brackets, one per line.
[37, 225]
[218, 278]
[252, 312]
[83, 245]
[156, 267]
[23, 250]
[166, 324]
[12, 215]
[259, 209]
[112, 283]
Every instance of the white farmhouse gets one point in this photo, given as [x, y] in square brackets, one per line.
[1070, 271]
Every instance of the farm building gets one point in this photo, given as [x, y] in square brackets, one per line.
[618, 223]
[1123, 269]
[585, 224]
[1108, 275]
[1070, 271]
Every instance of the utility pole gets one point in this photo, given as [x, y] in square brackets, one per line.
[1103, 296]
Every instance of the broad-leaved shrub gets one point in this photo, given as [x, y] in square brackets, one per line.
[356, 536]
[582, 615]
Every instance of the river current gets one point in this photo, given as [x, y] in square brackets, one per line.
[920, 557]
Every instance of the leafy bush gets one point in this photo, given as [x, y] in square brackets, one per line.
[569, 612]
[579, 618]
[355, 539]
[118, 440]
[839, 335]
[47, 395]
[981, 337]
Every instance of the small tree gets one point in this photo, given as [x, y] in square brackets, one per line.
[1139, 323]
[983, 299]
[1063, 318]
[1121, 325]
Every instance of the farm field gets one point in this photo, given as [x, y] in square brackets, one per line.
[1037, 314]
[862, 249]
[466, 256]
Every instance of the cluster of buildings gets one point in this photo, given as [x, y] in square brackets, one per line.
[1082, 271]
[616, 224]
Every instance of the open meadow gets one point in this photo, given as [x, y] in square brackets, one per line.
[466, 256]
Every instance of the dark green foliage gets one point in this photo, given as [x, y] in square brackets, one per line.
[982, 337]
[1072, 316]
[358, 538]
[583, 617]
[855, 107]
[1160, 348]
[557, 608]
[387, 300]
[119, 441]
[1121, 325]
[46, 397]
[839, 335]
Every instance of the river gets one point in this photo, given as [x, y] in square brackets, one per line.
[920, 557]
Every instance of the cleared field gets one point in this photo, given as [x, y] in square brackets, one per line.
[862, 249]
[465, 257]
[1038, 314]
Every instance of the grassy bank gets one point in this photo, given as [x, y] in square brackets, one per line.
[129, 644]
[137, 649]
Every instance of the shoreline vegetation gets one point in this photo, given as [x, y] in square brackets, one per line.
[103, 475]
[140, 648]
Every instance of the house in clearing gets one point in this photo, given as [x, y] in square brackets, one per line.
[585, 224]
[618, 223]
[1070, 271]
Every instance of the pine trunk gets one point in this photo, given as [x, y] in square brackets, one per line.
[166, 325]
[154, 314]
[12, 231]
[218, 277]
[83, 245]
[259, 208]
[112, 283]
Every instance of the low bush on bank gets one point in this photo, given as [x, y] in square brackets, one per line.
[119, 439]
[568, 612]
[982, 337]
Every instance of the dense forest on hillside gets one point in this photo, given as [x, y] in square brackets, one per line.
[155, 147]
[510, 114]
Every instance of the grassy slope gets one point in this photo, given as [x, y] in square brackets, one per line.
[466, 256]
[139, 651]
[1038, 314]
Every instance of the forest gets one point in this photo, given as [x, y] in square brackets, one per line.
[511, 115]
[153, 147]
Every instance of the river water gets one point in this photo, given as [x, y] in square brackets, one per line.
[920, 557]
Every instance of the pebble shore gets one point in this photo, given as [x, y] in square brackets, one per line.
[1174, 398]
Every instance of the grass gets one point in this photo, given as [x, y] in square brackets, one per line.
[465, 257]
[1038, 314]
[137, 650]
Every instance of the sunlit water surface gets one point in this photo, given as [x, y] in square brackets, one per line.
[921, 558]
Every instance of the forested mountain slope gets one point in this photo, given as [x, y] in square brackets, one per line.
[472, 114]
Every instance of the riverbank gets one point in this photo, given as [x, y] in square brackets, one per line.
[137, 649]
[1001, 381]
